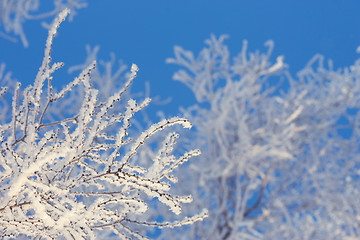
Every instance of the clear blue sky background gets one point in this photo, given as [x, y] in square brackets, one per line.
[144, 32]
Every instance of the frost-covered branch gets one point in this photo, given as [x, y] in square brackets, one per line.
[72, 177]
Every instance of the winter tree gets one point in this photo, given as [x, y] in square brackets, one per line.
[280, 153]
[76, 175]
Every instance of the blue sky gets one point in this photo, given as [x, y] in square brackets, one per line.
[144, 32]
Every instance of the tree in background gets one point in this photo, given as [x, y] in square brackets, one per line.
[69, 176]
[280, 154]
[13, 14]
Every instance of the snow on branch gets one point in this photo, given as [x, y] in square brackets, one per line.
[72, 178]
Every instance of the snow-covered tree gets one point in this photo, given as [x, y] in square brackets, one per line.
[69, 176]
[280, 154]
